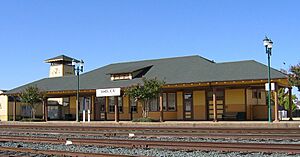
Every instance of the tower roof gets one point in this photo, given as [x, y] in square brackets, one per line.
[60, 58]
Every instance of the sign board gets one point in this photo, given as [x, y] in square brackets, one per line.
[272, 86]
[108, 92]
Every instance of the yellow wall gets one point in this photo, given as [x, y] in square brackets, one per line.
[139, 111]
[235, 100]
[38, 114]
[3, 107]
[179, 105]
[199, 105]
[125, 115]
[73, 105]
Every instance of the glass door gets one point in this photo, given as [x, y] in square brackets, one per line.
[188, 106]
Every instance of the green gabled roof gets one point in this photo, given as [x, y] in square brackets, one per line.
[188, 69]
[128, 69]
[61, 58]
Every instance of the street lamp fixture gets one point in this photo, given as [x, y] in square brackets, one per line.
[78, 67]
[269, 44]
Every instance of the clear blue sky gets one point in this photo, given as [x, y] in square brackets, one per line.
[108, 31]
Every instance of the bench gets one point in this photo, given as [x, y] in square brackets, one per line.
[234, 116]
[229, 116]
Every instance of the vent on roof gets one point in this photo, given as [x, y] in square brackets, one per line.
[125, 75]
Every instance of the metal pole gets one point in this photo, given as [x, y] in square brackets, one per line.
[269, 92]
[83, 110]
[77, 97]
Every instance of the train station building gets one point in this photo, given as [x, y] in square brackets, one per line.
[196, 89]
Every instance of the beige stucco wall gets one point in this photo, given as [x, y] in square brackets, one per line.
[60, 70]
[3, 107]
[257, 109]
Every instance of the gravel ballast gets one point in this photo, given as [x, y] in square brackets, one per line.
[138, 152]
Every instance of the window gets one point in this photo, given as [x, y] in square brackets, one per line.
[169, 101]
[219, 94]
[256, 94]
[133, 105]
[120, 104]
[153, 104]
[85, 103]
[165, 104]
[111, 104]
[126, 76]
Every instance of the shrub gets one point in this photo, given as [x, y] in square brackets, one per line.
[32, 120]
[147, 119]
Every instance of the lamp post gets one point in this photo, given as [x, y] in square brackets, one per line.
[268, 44]
[77, 70]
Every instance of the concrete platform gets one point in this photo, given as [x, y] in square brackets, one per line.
[189, 124]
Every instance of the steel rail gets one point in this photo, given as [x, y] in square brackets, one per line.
[160, 129]
[284, 133]
[173, 145]
[158, 134]
[56, 152]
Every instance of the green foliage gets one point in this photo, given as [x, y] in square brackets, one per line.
[147, 119]
[31, 96]
[283, 99]
[144, 93]
[147, 91]
[294, 76]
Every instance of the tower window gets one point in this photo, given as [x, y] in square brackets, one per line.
[121, 77]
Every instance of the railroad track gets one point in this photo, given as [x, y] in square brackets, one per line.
[55, 152]
[232, 133]
[173, 145]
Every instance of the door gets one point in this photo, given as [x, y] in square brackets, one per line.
[100, 108]
[220, 104]
[188, 106]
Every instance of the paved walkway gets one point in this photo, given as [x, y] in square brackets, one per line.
[222, 124]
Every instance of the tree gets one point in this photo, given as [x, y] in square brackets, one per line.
[283, 99]
[294, 76]
[32, 96]
[144, 93]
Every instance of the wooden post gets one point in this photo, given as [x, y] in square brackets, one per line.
[215, 105]
[14, 108]
[92, 109]
[161, 110]
[290, 104]
[116, 109]
[45, 104]
[276, 104]
[130, 107]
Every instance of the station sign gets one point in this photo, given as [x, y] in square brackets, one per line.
[108, 92]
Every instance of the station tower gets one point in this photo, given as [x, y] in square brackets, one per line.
[61, 66]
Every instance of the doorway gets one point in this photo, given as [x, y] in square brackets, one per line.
[188, 106]
[100, 108]
[220, 104]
